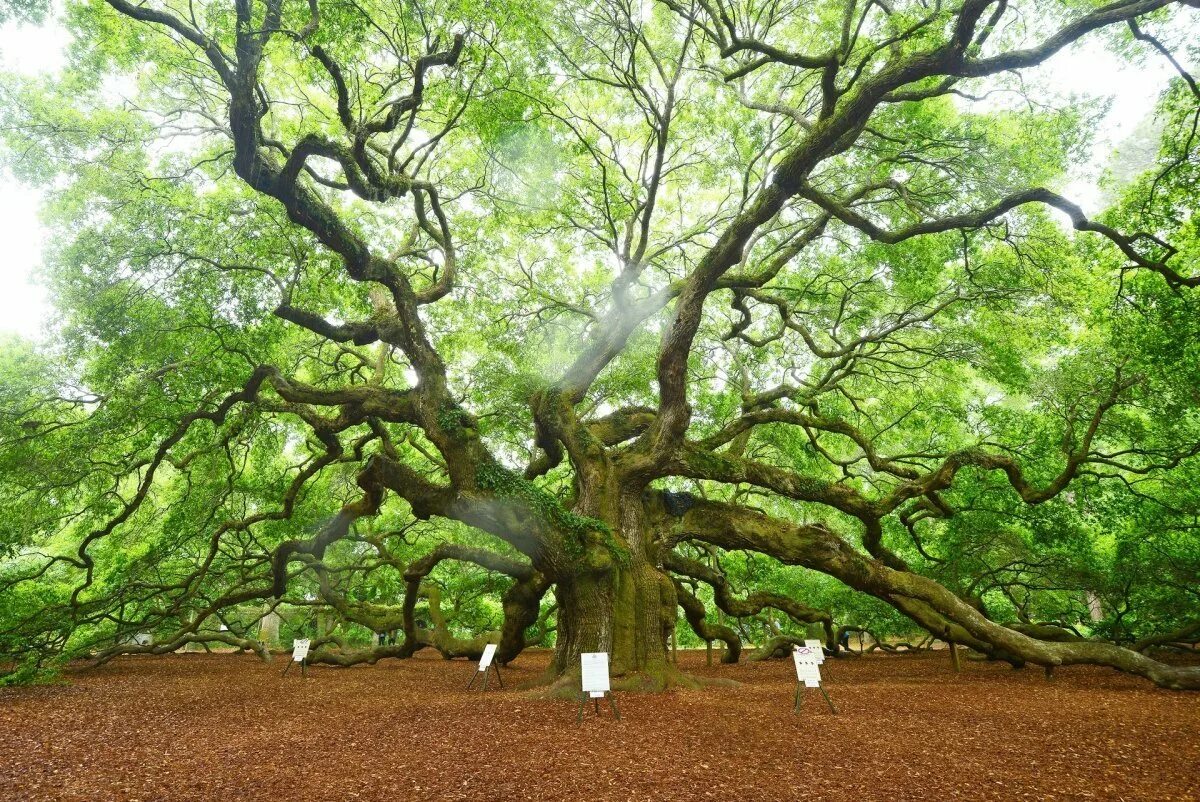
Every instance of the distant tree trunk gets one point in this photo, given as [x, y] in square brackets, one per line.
[269, 629]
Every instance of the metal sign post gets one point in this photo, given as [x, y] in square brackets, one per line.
[299, 655]
[808, 674]
[485, 663]
[595, 684]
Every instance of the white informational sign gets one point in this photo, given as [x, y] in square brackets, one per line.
[299, 650]
[808, 666]
[811, 676]
[595, 673]
[813, 643]
[489, 652]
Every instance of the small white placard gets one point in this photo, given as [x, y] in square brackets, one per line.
[812, 676]
[299, 650]
[813, 643]
[489, 652]
[808, 667]
[595, 672]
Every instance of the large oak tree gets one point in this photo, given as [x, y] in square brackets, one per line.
[592, 296]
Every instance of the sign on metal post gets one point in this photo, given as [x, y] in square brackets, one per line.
[808, 670]
[299, 655]
[486, 661]
[595, 672]
[595, 683]
[808, 673]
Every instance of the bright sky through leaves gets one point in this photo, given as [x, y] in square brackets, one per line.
[1084, 70]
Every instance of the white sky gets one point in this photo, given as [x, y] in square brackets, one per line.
[1085, 70]
[23, 304]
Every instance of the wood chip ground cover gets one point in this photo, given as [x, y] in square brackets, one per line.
[228, 727]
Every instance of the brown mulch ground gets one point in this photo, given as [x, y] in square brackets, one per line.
[228, 727]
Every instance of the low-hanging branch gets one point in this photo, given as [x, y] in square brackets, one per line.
[753, 603]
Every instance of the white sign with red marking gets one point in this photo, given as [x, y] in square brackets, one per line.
[808, 665]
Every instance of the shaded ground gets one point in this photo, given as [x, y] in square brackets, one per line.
[227, 727]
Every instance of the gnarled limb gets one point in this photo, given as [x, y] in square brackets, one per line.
[815, 546]
[521, 602]
[754, 603]
[693, 610]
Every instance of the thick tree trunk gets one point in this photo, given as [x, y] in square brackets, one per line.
[627, 611]
[620, 602]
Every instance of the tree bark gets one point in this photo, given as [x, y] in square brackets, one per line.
[618, 601]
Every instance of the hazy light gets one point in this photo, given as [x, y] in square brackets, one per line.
[23, 305]
[27, 50]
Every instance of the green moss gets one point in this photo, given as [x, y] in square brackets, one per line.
[588, 441]
[811, 487]
[578, 529]
[620, 553]
[710, 464]
[504, 482]
[456, 423]
[450, 420]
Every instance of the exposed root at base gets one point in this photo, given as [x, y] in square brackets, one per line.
[566, 686]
